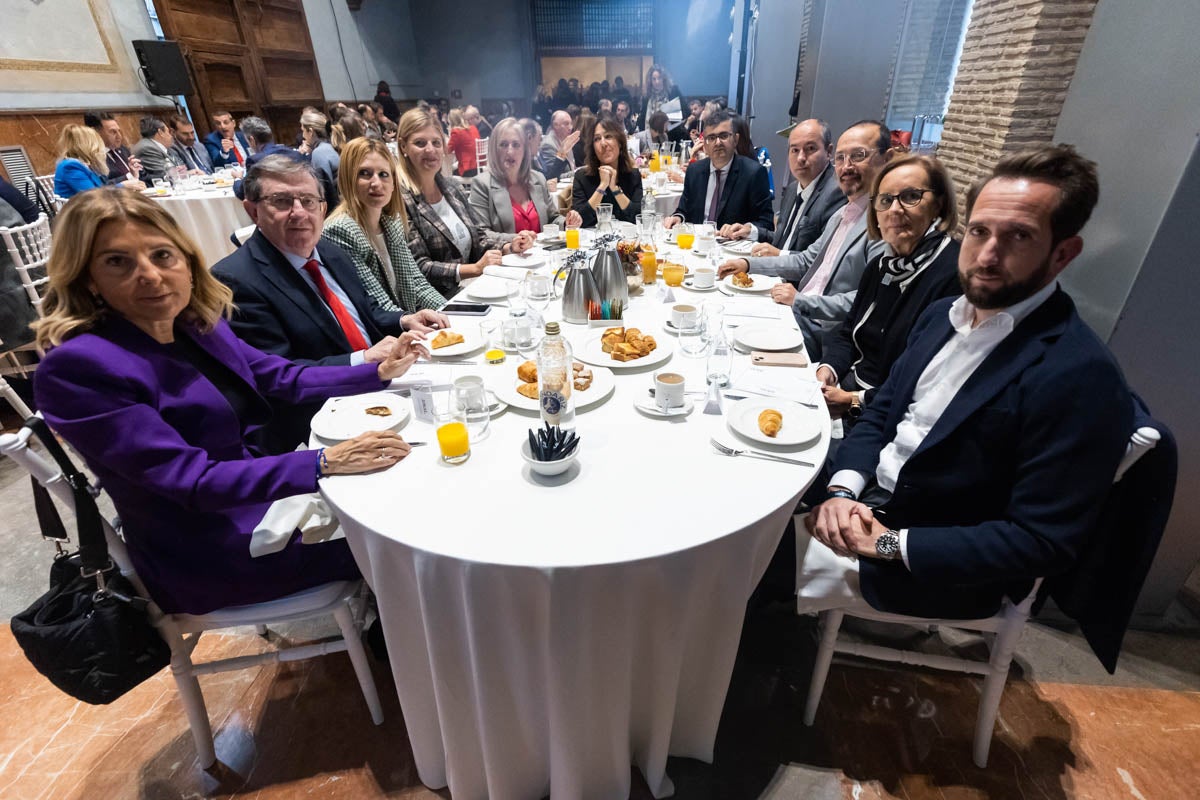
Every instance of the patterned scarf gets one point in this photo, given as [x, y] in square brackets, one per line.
[900, 270]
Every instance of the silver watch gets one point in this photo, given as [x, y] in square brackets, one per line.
[887, 546]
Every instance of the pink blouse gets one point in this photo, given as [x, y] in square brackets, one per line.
[526, 218]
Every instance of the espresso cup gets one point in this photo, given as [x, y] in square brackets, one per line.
[704, 277]
[668, 391]
[684, 316]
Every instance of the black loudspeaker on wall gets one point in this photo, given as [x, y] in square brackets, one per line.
[163, 65]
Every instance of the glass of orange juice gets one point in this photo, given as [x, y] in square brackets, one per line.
[649, 261]
[655, 163]
[673, 273]
[572, 237]
[452, 436]
[685, 236]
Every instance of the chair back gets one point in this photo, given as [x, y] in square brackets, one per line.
[1101, 589]
[29, 246]
[481, 154]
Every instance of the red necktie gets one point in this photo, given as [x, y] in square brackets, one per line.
[353, 334]
[715, 205]
[238, 153]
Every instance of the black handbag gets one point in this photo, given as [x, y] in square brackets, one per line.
[89, 634]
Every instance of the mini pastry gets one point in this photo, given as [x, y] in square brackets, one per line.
[577, 367]
[770, 421]
[445, 339]
[645, 345]
[379, 411]
[528, 372]
[582, 382]
[610, 338]
[742, 279]
[625, 352]
[529, 390]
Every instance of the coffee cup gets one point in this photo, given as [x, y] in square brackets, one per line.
[704, 278]
[668, 391]
[684, 317]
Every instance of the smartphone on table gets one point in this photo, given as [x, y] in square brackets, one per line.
[466, 309]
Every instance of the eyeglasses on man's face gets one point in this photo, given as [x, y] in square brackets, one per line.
[284, 202]
[855, 156]
[909, 198]
[722, 136]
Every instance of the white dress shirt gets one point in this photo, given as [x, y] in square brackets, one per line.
[941, 380]
[358, 356]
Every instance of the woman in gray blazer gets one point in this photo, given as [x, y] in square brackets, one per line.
[510, 196]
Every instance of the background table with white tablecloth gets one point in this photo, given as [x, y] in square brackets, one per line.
[546, 634]
[209, 217]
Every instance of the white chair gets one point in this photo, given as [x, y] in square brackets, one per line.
[47, 184]
[1003, 631]
[481, 154]
[182, 631]
[240, 236]
[29, 246]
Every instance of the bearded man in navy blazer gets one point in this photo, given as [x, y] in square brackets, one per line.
[725, 187]
[985, 460]
[296, 301]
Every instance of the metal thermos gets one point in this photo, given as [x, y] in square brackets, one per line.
[610, 279]
[579, 293]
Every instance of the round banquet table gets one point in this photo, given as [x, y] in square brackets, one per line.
[546, 634]
[209, 217]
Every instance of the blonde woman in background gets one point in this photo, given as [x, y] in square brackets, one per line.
[321, 153]
[510, 196]
[369, 226]
[349, 127]
[82, 163]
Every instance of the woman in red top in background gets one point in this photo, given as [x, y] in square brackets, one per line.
[462, 144]
[511, 196]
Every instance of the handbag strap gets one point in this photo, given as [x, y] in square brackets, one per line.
[93, 550]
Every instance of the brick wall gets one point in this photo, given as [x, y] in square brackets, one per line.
[1017, 62]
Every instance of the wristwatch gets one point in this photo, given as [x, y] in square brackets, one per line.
[617, 190]
[855, 410]
[887, 546]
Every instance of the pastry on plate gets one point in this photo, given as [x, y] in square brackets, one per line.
[742, 279]
[529, 390]
[610, 338]
[770, 421]
[445, 339]
[625, 352]
[582, 382]
[528, 372]
[379, 411]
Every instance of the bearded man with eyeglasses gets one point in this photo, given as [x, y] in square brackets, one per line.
[725, 188]
[299, 302]
[820, 283]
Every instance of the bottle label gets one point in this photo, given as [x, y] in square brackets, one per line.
[552, 405]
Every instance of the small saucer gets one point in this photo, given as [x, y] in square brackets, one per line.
[689, 284]
[647, 406]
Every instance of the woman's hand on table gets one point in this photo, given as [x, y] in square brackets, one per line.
[423, 322]
[783, 293]
[366, 452]
[403, 354]
[522, 241]
[573, 218]
[489, 259]
[733, 265]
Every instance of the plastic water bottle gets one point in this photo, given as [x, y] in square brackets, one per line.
[555, 379]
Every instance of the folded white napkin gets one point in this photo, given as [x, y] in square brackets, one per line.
[508, 273]
[308, 512]
[758, 307]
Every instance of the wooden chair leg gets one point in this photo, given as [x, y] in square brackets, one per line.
[831, 623]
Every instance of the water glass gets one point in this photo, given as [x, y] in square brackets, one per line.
[691, 341]
[720, 361]
[712, 318]
[538, 290]
[470, 397]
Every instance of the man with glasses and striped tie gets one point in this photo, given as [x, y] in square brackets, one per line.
[820, 283]
[300, 302]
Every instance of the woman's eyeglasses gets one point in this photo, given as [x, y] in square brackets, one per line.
[909, 198]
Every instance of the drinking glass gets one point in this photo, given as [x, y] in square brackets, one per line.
[673, 273]
[493, 337]
[550, 230]
[720, 360]
[604, 218]
[453, 438]
[573, 236]
[712, 317]
[538, 290]
[685, 236]
[470, 397]
[691, 340]
[706, 237]
[161, 187]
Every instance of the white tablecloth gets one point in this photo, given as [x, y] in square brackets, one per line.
[545, 634]
[666, 201]
[209, 218]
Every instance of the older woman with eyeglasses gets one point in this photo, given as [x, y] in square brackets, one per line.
[912, 208]
[510, 196]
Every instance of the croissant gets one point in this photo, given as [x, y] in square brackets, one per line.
[528, 372]
[529, 390]
[770, 421]
[445, 339]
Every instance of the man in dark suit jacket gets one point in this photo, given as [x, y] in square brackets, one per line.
[744, 187]
[300, 303]
[121, 161]
[810, 200]
[262, 142]
[191, 152]
[227, 147]
[977, 468]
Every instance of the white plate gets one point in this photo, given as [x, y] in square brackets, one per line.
[531, 261]
[489, 287]
[762, 283]
[689, 285]
[739, 248]
[593, 353]
[646, 406]
[768, 337]
[547, 238]
[602, 386]
[800, 424]
[344, 418]
[472, 341]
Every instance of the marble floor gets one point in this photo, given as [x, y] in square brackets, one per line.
[302, 730]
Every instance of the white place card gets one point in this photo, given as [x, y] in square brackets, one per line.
[789, 384]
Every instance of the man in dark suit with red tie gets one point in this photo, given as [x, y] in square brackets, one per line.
[226, 145]
[123, 165]
[299, 302]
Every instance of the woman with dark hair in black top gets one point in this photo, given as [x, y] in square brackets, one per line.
[609, 176]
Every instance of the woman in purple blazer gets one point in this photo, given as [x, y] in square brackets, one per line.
[145, 379]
